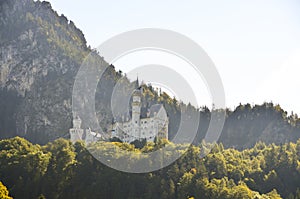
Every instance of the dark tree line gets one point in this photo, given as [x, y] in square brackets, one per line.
[61, 169]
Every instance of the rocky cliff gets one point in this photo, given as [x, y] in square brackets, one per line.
[40, 55]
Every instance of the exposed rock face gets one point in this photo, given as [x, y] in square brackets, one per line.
[40, 55]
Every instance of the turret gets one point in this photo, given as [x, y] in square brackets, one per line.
[136, 111]
[76, 123]
[76, 132]
[136, 106]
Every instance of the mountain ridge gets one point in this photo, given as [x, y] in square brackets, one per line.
[41, 53]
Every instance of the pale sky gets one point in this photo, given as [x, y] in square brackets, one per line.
[254, 44]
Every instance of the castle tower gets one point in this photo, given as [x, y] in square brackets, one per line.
[136, 112]
[76, 132]
[77, 123]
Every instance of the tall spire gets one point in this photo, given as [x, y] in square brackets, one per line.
[137, 84]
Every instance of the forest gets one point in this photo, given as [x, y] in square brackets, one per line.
[61, 169]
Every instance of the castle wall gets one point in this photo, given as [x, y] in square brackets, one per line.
[148, 129]
[76, 134]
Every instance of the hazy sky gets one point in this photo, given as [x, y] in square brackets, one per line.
[254, 44]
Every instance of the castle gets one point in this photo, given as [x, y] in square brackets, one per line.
[155, 125]
[77, 133]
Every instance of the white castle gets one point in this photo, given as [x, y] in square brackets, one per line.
[155, 125]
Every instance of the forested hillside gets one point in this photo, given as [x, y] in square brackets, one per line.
[243, 127]
[41, 53]
[62, 170]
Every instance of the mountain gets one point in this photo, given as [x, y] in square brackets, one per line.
[41, 53]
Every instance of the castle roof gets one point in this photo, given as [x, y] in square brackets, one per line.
[154, 109]
[137, 91]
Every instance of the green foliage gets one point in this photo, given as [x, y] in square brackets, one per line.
[4, 192]
[63, 170]
[25, 162]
